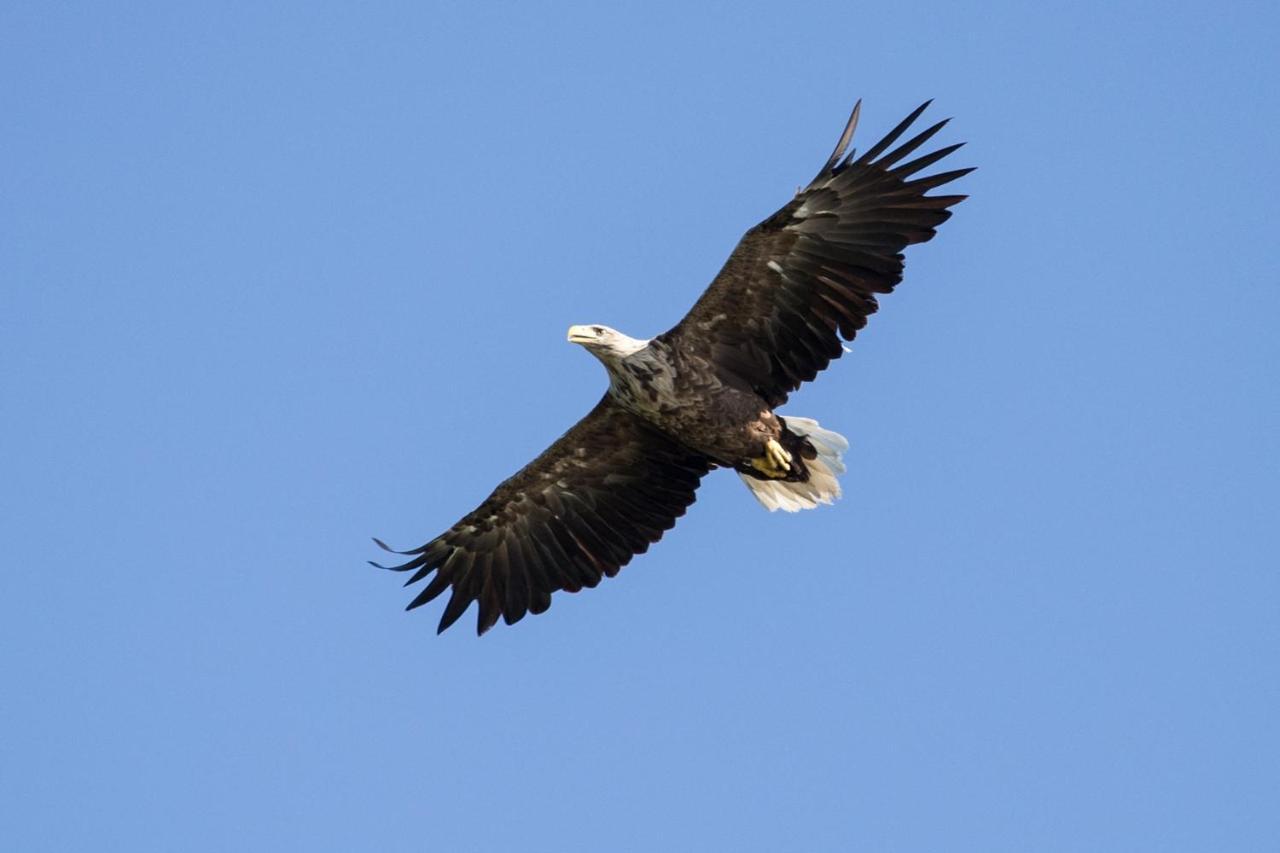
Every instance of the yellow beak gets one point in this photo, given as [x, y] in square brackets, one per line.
[581, 335]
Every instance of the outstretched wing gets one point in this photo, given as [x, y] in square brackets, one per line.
[807, 276]
[599, 495]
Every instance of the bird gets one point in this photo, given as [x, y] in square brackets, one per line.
[702, 395]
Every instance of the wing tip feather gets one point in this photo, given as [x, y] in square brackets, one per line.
[846, 136]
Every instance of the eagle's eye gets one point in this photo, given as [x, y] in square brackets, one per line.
[597, 330]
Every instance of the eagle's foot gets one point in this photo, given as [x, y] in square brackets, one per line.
[778, 454]
[775, 463]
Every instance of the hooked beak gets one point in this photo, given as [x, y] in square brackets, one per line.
[581, 335]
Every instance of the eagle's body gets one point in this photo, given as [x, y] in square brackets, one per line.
[700, 396]
[683, 396]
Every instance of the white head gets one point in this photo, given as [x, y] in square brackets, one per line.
[604, 343]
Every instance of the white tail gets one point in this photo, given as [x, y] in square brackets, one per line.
[822, 488]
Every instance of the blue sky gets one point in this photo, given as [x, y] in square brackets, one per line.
[276, 280]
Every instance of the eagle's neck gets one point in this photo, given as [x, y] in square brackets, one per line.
[621, 346]
[644, 380]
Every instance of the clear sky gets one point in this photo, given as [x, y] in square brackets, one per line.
[276, 280]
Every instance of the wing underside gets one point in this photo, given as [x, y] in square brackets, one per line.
[808, 276]
[602, 493]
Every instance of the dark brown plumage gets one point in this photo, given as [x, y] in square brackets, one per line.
[795, 286]
[837, 244]
[602, 493]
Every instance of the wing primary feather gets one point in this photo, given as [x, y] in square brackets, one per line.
[438, 584]
[907, 169]
[849, 128]
[539, 601]
[876, 150]
[453, 566]
[515, 600]
[927, 202]
[384, 546]
[913, 143]
[926, 184]
[490, 604]
[457, 605]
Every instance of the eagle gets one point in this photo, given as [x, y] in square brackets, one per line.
[702, 395]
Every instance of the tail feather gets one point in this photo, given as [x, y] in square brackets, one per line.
[822, 486]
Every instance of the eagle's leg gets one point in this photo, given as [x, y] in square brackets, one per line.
[776, 461]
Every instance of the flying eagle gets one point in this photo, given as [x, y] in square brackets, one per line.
[701, 395]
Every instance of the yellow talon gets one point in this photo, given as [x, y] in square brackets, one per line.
[778, 455]
[776, 461]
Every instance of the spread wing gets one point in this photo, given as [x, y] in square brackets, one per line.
[807, 276]
[602, 493]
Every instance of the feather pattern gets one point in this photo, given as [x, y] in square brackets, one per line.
[797, 284]
[808, 276]
[602, 493]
